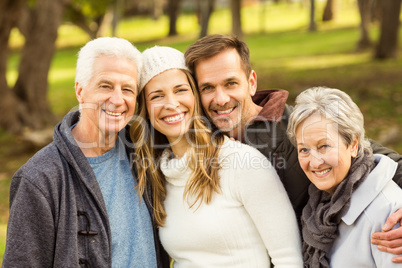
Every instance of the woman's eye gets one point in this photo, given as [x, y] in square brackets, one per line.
[324, 148]
[304, 151]
[155, 97]
[182, 90]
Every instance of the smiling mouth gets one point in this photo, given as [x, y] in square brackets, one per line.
[322, 172]
[225, 111]
[113, 113]
[170, 119]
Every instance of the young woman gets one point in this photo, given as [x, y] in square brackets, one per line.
[218, 203]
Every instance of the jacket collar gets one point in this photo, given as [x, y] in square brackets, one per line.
[273, 103]
[370, 188]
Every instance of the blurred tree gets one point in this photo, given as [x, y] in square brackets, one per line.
[236, 18]
[26, 105]
[329, 10]
[157, 9]
[365, 11]
[93, 16]
[388, 44]
[205, 9]
[263, 15]
[312, 27]
[173, 9]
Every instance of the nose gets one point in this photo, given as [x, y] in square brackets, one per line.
[221, 97]
[171, 102]
[315, 159]
[117, 97]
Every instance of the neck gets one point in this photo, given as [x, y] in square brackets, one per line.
[93, 142]
[238, 131]
[179, 147]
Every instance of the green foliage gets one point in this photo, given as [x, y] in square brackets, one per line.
[92, 8]
[3, 230]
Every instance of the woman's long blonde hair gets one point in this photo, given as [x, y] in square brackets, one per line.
[202, 156]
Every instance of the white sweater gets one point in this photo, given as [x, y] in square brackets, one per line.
[248, 223]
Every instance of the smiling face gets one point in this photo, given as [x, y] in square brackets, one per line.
[170, 103]
[226, 90]
[108, 102]
[322, 152]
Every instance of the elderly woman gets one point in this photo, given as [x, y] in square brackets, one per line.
[352, 192]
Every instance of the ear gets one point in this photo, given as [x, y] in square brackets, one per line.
[354, 147]
[78, 92]
[252, 80]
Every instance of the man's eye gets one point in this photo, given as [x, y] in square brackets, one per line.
[206, 88]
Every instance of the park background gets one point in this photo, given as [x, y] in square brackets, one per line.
[292, 47]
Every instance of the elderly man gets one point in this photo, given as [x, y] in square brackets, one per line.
[229, 96]
[75, 202]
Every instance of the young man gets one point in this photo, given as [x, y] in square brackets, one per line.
[229, 96]
[75, 202]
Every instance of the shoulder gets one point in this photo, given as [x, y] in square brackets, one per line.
[385, 203]
[47, 162]
[243, 158]
[230, 148]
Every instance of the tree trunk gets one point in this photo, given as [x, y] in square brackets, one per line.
[329, 11]
[173, 13]
[36, 56]
[157, 9]
[10, 107]
[388, 45]
[312, 27]
[236, 18]
[365, 7]
[206, 7]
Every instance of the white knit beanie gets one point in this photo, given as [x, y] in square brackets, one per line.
[157, 59]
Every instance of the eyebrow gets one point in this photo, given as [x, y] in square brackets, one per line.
[232, 78]
[319, 141]
[111, 83]
[176, 86]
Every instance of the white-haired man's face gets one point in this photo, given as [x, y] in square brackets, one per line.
[108, 102]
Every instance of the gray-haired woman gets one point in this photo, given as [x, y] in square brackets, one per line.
[352, 192]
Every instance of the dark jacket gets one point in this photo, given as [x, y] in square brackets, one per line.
[57, 214]
[267, 133]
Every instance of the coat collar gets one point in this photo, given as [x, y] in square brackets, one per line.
[370, 188]
[273, 102]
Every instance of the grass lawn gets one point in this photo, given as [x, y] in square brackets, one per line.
[283, 53]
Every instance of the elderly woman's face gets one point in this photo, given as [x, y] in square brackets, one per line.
[322, 153]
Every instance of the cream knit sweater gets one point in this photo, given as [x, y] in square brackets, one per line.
[248, 223]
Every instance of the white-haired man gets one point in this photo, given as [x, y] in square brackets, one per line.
[75, 202]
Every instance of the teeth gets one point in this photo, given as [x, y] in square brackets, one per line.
[173, 118]
[225, 112]
[112, 113]
[322, 172]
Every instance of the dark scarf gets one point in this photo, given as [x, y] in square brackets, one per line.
[324, 211]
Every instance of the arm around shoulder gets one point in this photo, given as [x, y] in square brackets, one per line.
[379, 149]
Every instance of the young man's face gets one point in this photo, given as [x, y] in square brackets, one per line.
[108, 102]
[225, 89]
